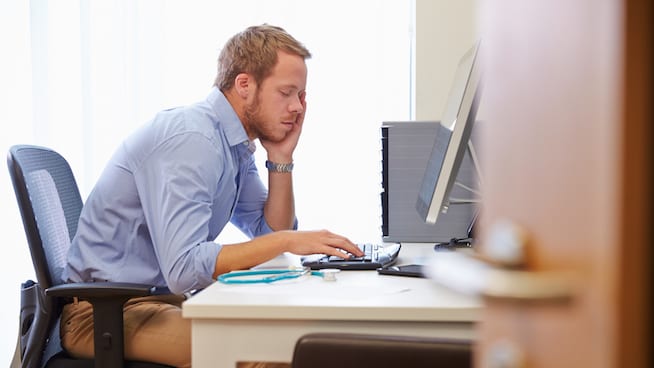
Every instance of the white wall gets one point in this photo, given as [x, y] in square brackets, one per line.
[445, 30]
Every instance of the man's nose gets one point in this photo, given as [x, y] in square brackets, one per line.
[296, 106]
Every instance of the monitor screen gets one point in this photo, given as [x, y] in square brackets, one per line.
[451, 140]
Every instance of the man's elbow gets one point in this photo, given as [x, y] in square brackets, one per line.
[183, 280]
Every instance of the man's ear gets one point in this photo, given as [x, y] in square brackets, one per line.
[242, 84]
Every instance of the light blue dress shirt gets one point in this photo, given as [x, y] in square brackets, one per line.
[165, 195]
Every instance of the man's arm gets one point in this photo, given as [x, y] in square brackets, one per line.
[245, 255]
[279, 209]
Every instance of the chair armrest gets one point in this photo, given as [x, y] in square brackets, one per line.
[347, 350]
[93, 290]
[107, 299]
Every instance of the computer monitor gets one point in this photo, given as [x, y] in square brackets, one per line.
[452, 141]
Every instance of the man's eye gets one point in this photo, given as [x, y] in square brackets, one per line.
[285, 93]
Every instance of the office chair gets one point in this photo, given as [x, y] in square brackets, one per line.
[348, 350]
[50, 206]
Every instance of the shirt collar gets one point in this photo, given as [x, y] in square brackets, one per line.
[229, 121]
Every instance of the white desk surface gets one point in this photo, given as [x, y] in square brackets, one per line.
[262, 321]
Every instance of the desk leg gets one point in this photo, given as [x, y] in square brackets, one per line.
[226, 343]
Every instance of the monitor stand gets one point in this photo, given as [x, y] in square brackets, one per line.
[468, 241]
[455, 243]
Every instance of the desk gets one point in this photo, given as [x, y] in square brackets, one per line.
[262, 322]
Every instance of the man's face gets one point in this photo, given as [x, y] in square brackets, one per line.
[273, 110]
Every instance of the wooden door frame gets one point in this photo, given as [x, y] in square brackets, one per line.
[634, 320]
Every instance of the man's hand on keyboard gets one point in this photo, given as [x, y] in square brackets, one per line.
[321, 241]
[241, 256]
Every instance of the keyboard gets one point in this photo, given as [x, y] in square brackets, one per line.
[375, 256]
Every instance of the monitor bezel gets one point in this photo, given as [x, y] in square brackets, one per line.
[460, 128]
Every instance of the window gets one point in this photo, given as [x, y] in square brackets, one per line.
[83, 74]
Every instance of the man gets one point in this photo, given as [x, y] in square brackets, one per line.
[173, 185]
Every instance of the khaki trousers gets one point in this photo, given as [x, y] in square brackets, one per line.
[153, 326]
[154, 332]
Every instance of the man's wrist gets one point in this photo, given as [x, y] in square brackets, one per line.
[279, 167]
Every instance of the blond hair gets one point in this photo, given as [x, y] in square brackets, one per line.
[254, 51]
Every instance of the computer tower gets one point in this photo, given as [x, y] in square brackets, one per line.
[406, 147]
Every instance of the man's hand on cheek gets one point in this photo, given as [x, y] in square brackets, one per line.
[287, 145]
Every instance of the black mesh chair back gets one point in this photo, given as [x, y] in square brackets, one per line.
[50, 205]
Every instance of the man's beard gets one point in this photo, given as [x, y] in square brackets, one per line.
[256, 122]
